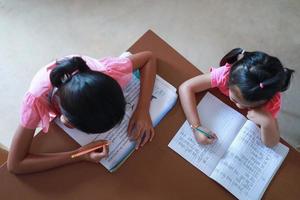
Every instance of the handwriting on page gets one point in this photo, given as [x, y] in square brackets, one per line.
[204, 157]
[225, 124]
[248, 165]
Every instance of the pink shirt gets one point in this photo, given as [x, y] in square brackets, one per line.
[219, 78]
[36, 111]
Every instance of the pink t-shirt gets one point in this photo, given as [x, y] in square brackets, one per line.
[219, 78]
[36, 111]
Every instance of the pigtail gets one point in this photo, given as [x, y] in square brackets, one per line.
[272, 84]
[65, 69]
[231, 56]
[280, 82]
[287, 74]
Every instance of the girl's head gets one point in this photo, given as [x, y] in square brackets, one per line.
[90, 101]
[255, 77]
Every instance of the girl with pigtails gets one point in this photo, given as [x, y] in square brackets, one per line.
[252, 80]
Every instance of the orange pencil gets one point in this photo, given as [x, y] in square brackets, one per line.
[89, 150]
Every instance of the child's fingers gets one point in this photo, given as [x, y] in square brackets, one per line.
[130, 128]
[96, 156]
[214, 136]
[138, 142]
[210, 140]
[202, 139]
[105, 151]
[152, 134]
[138, 130]
[146, 136]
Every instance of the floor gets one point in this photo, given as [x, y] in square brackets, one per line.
[33, 32]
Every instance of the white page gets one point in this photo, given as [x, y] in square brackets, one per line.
[248, 166]
[164, 97]
[121, 146]
[218, 117]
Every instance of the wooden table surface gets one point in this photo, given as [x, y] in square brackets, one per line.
[154, 172]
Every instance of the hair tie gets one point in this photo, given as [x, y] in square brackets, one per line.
[65, 78]
[261, 85]
[68, 77]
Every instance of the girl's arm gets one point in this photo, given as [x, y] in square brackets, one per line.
[140, 126]
[270, 133]
[269, 126]
[187, 94]
[20, 161]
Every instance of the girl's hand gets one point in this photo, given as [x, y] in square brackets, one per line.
[96, 155]
[202, 139]
[140, 128]
[260, 116]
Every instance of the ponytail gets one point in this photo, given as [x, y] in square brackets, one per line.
[65, 69]
[280, 82]
[287, 79]
[232, 56]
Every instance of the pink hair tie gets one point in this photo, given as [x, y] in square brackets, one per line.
[261, 85]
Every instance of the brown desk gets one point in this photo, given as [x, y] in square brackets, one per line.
[154, 172]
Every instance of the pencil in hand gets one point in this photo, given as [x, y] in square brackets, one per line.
[202, 131]
[90, 150]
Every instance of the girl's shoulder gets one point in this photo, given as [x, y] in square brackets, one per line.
[108, 63]
[35, 108]
[221, 71]
[119, 68]
[219, 76]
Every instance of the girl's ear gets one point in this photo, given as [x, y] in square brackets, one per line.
[65, 121]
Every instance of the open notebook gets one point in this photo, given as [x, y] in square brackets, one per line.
[164, 97]
[238, 160]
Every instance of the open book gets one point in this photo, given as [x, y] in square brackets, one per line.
[164, 97]
[238, 160]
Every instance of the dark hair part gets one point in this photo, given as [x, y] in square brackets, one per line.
[91, 101]
[258, 75]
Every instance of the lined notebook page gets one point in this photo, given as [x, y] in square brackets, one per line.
[218, 117]
[248, 166]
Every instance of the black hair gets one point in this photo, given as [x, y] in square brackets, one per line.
[258, 75]
[91, 101]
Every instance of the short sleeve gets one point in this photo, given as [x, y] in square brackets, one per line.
[274, 105]
[34, 112]
[219, 78]
[118, 68]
